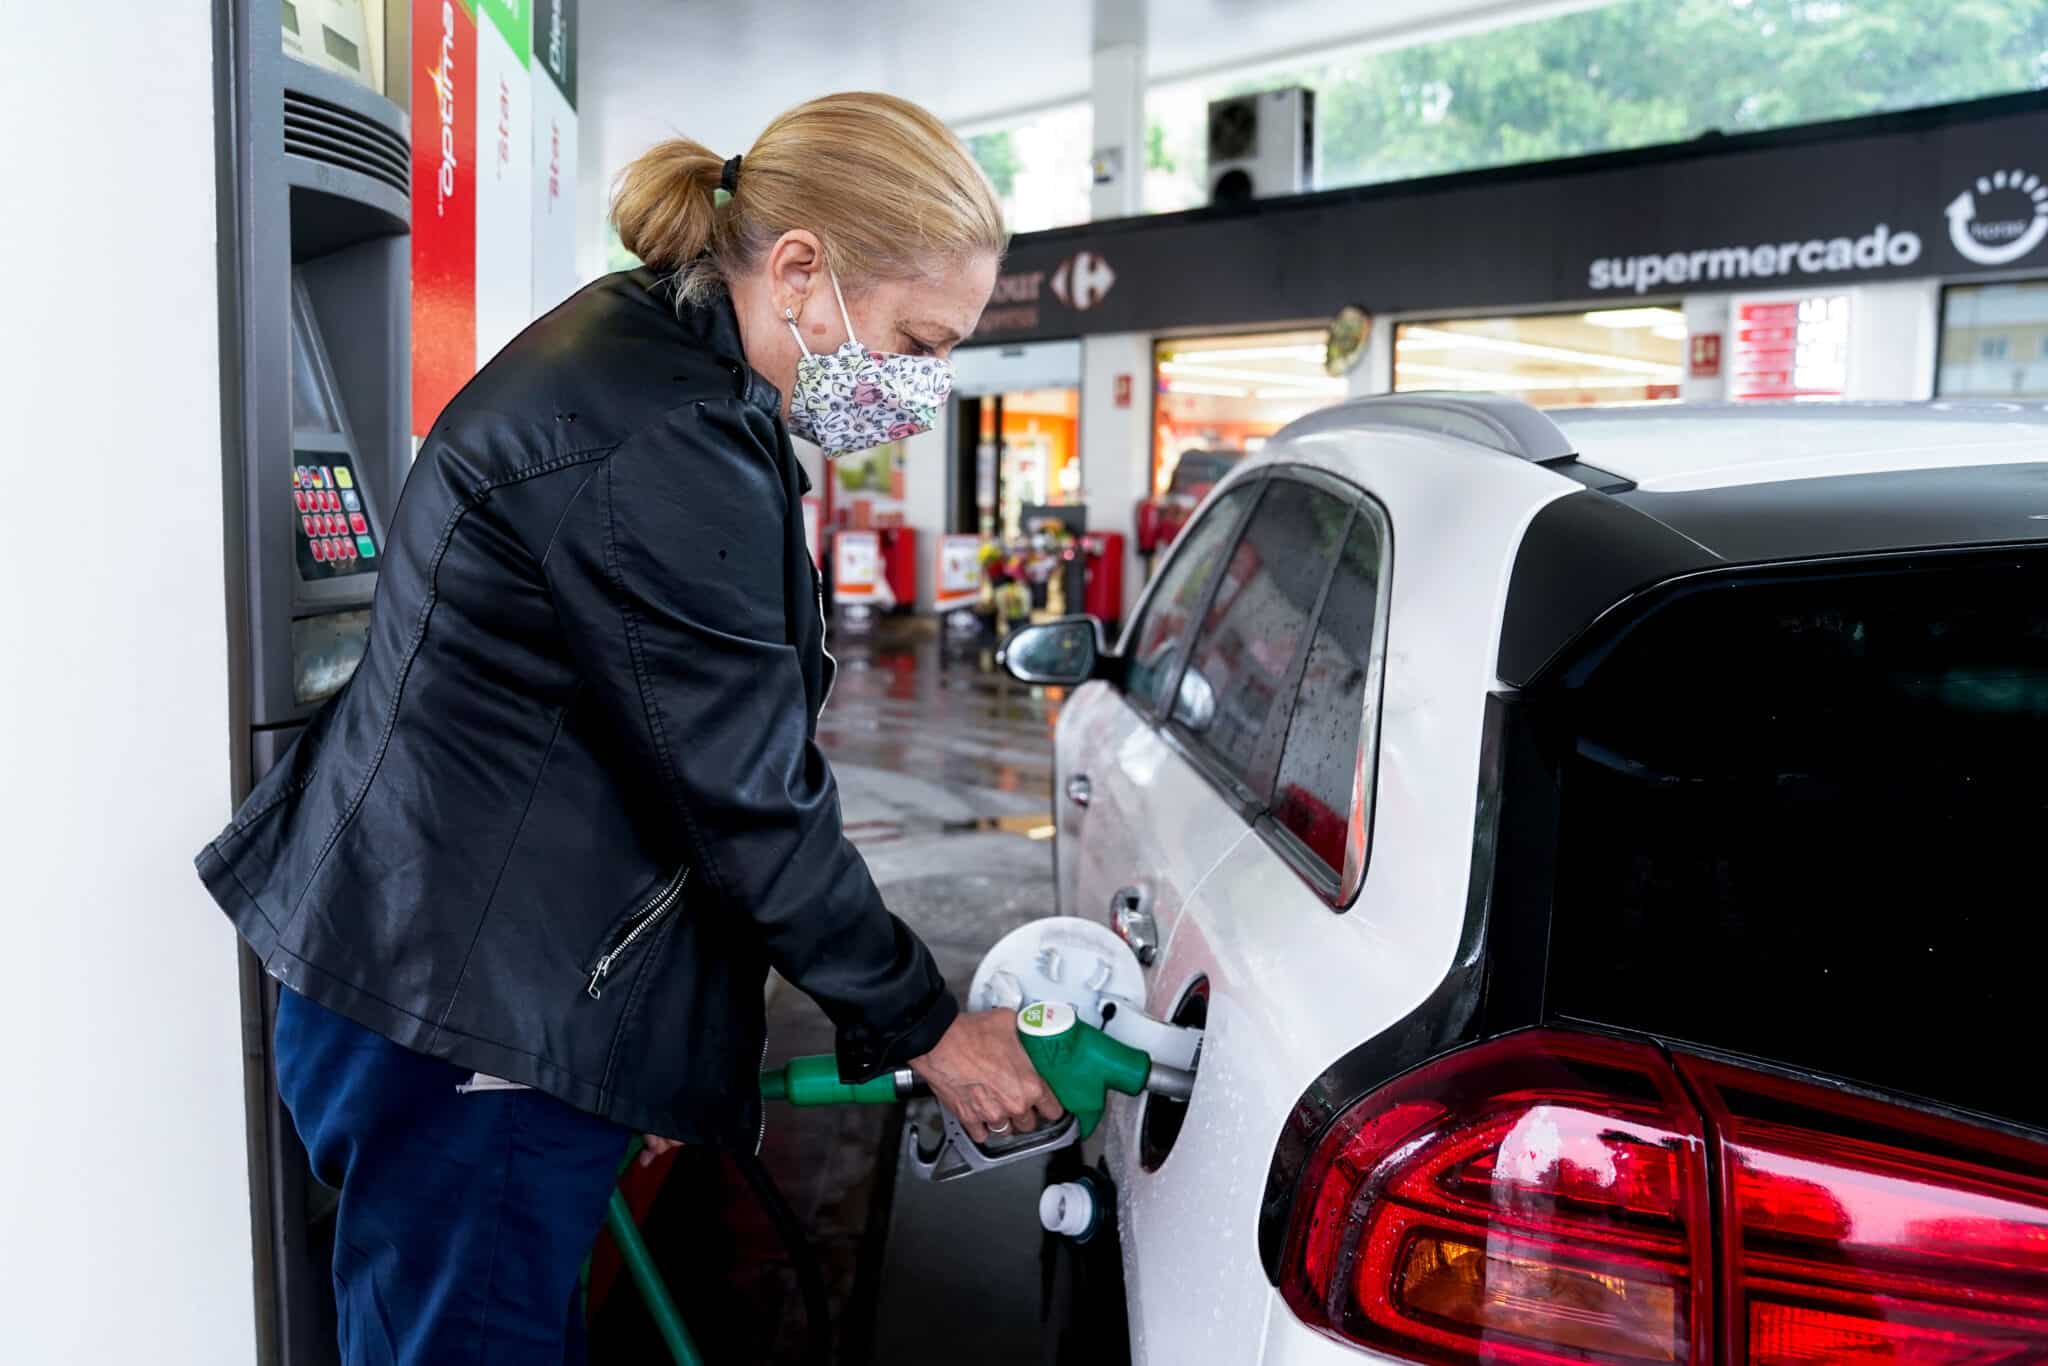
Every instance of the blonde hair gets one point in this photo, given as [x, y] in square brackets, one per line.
[889, 189]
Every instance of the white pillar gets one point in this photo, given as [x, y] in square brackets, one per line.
[1116, 442]
[1374, 373]
[925, 483]
[1118, 85]
[1893, 331]
[1706, 315]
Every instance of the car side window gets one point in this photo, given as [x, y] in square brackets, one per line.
[1161, 635]
[1238, 691]
[1323, 792]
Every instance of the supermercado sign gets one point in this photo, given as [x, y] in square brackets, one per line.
[1946, 192]
[1815, 256]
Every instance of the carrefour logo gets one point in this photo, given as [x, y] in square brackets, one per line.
[2002, 218]
[1083, 280]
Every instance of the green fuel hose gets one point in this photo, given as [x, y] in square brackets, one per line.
[661, 1307]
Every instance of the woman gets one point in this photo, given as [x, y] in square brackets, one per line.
[525, 875]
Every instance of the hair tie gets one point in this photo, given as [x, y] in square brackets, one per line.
[728, 181]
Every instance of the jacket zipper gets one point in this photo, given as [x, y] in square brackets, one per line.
[646, 920]
[761, 1139]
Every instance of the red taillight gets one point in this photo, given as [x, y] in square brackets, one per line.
[1538, 1199]
[1860, 1231]
[1545, 1198]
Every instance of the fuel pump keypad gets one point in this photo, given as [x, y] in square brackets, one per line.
[334, 537]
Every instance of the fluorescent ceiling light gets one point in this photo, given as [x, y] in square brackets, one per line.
[1320, 383]
[1671, 331]
[1634, 317]
[1182, 386]
[1505, 379]
[1315, 396]
[1310, 355]
[1535, 352]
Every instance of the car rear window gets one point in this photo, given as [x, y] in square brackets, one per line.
[1801, 817]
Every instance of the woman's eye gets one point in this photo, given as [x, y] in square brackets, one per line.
[918, 348]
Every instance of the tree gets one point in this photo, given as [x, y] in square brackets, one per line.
[997, 155]
[1639, 72]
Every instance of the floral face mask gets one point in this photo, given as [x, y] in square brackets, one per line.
[853, 399]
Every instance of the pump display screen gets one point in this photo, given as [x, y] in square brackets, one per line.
[334, 538]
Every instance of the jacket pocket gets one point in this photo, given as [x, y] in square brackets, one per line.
[636, 928]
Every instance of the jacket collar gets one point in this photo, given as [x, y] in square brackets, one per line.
[714, 326]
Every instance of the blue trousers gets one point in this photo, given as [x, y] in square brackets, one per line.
[464, 1218]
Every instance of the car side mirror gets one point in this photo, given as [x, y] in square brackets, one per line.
[1064, 653]
[1194, 706]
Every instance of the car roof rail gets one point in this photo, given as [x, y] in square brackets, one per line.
[1496, 421]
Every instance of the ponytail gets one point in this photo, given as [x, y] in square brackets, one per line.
[663, 208]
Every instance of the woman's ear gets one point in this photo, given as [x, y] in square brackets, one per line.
[796, 264]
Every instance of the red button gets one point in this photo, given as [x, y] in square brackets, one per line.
[320, 552]
[328, 502]
[299, 499]
[334, 524]
[307, 523]
[348, 547]
[359, 524]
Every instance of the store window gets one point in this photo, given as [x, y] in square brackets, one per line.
[1602, 78]
[1220, 398]
[1994, 341]
[1553, 360]
[1039, 166]
[1036, 464]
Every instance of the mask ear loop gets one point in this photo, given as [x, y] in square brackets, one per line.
[844, 316]
[789, 316]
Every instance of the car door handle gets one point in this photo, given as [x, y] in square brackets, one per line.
[1079, 792]
[1130, 915]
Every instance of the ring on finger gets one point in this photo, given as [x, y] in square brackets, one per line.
[1002, 1128]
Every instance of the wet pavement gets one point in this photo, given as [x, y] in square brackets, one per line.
[945, 776]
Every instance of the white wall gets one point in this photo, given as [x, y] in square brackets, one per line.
[1116, 443]
[123, 1176]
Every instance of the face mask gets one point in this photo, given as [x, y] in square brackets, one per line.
[853, 399]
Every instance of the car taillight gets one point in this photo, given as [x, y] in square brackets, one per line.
[1868, 1232]
[1538, 1199]
[1546, 1198]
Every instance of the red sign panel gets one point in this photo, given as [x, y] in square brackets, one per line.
[1706, 355]
[443, 206]
[1123, 391]
[1791, 348]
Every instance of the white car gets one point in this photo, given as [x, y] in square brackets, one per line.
[1601, 853]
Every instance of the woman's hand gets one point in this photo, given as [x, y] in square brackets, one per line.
[654, 1147]
[980, 1073]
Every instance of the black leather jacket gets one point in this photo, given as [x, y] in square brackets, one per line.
[570, 808]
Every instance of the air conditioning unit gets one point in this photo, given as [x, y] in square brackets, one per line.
[1262, 145]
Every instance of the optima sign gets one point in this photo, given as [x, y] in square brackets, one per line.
[1948, 192]
[1768, 260]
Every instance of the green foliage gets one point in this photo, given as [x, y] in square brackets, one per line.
[1639, 72]
[997, 155]
[1157, 157]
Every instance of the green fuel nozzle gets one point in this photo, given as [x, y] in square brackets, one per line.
[1079, 1063]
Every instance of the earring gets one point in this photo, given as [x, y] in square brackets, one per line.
[790, 315]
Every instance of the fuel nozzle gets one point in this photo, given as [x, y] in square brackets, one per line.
[1081, 1064]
